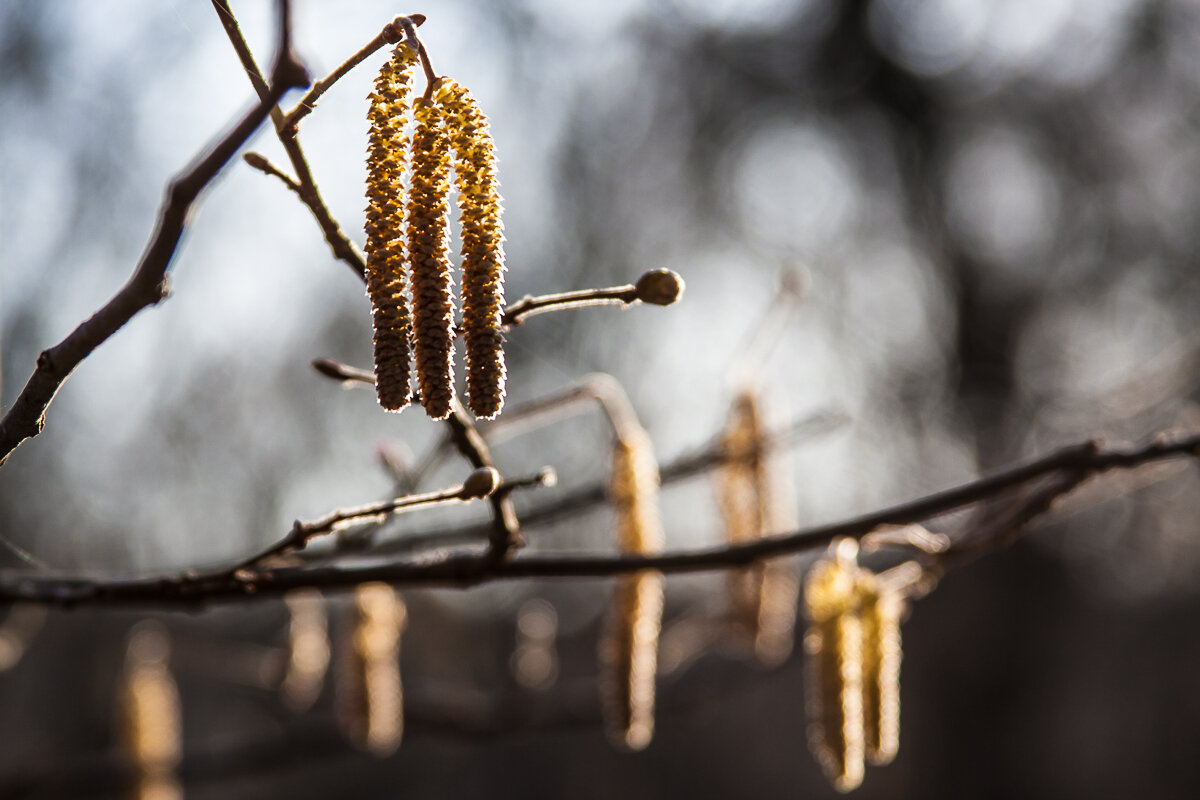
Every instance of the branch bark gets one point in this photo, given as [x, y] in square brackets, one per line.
[148, 284]
[1068, 467]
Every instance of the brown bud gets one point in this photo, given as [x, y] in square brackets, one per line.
[661, 287]
[480, 483]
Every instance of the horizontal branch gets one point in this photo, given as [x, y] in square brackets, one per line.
[147, 285]
[459, 569]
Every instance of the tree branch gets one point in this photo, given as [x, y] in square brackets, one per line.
[458, 569]
[147, 285]
[392, 33]
[343, 249]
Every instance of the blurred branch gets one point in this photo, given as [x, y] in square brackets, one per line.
[1069, 466]
[148, 284]
[581, 500]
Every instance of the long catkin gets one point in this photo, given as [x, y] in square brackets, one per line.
[833, 648]
[152, 731]
[371, 697]
[629, 649]
[427, 230]
[385, 259]
[881, 611]
[762, 596]
[480, 209]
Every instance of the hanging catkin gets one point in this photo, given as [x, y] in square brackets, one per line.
[371, 698]
[384, 249]
[762, 596]
[308, 648]
[427, 229]
[834, 662]
[881, 609]
[629, 649]
[152, 730]
[482, 248]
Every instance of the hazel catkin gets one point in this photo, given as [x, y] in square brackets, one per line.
[427, 230]
[629, 649]
[385, 260]
[762, 596]
[482, 247]
[371, 698]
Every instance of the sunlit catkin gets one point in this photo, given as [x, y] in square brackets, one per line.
[150, 713]
[385, 258]
[762, 596]
[371, 700]
[629, 649]
[833, 648]
[308, 648]
[880, 612]
[482, 247]
[427, 229]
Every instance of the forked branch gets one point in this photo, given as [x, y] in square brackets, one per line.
[147, 285]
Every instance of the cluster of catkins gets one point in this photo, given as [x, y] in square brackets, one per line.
[409, 274]
[853, 650]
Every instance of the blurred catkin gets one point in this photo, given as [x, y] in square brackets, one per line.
[428, 225]
[833, 647]
[881, 610]
[308, 648]
[385, 259]
[762, 596]
[482, 247]
[152, 728]
[370, 697]
[629, 649]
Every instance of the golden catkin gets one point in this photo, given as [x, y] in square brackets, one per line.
[880, 611]
[482, 248]
[833, 648]
[371, 699]
[152, 728]
[427, 230]
[763, 595]
[308, 648]
[384, 249]
[629, 648]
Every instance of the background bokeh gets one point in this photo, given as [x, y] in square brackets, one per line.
[994, 204]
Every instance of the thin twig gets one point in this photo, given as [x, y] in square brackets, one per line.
[506, 528]
[580, 500]
[660, 287]
[392, 33]
[528, 307]
[260, 163]
[341, 246]
[147, 285]
[471, 569]
[304, 532]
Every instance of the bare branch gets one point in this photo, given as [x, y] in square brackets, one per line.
[302, 533]
[658, 287]
[1071, 465]
[392, 33]
[343, 249]
[147, 285]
